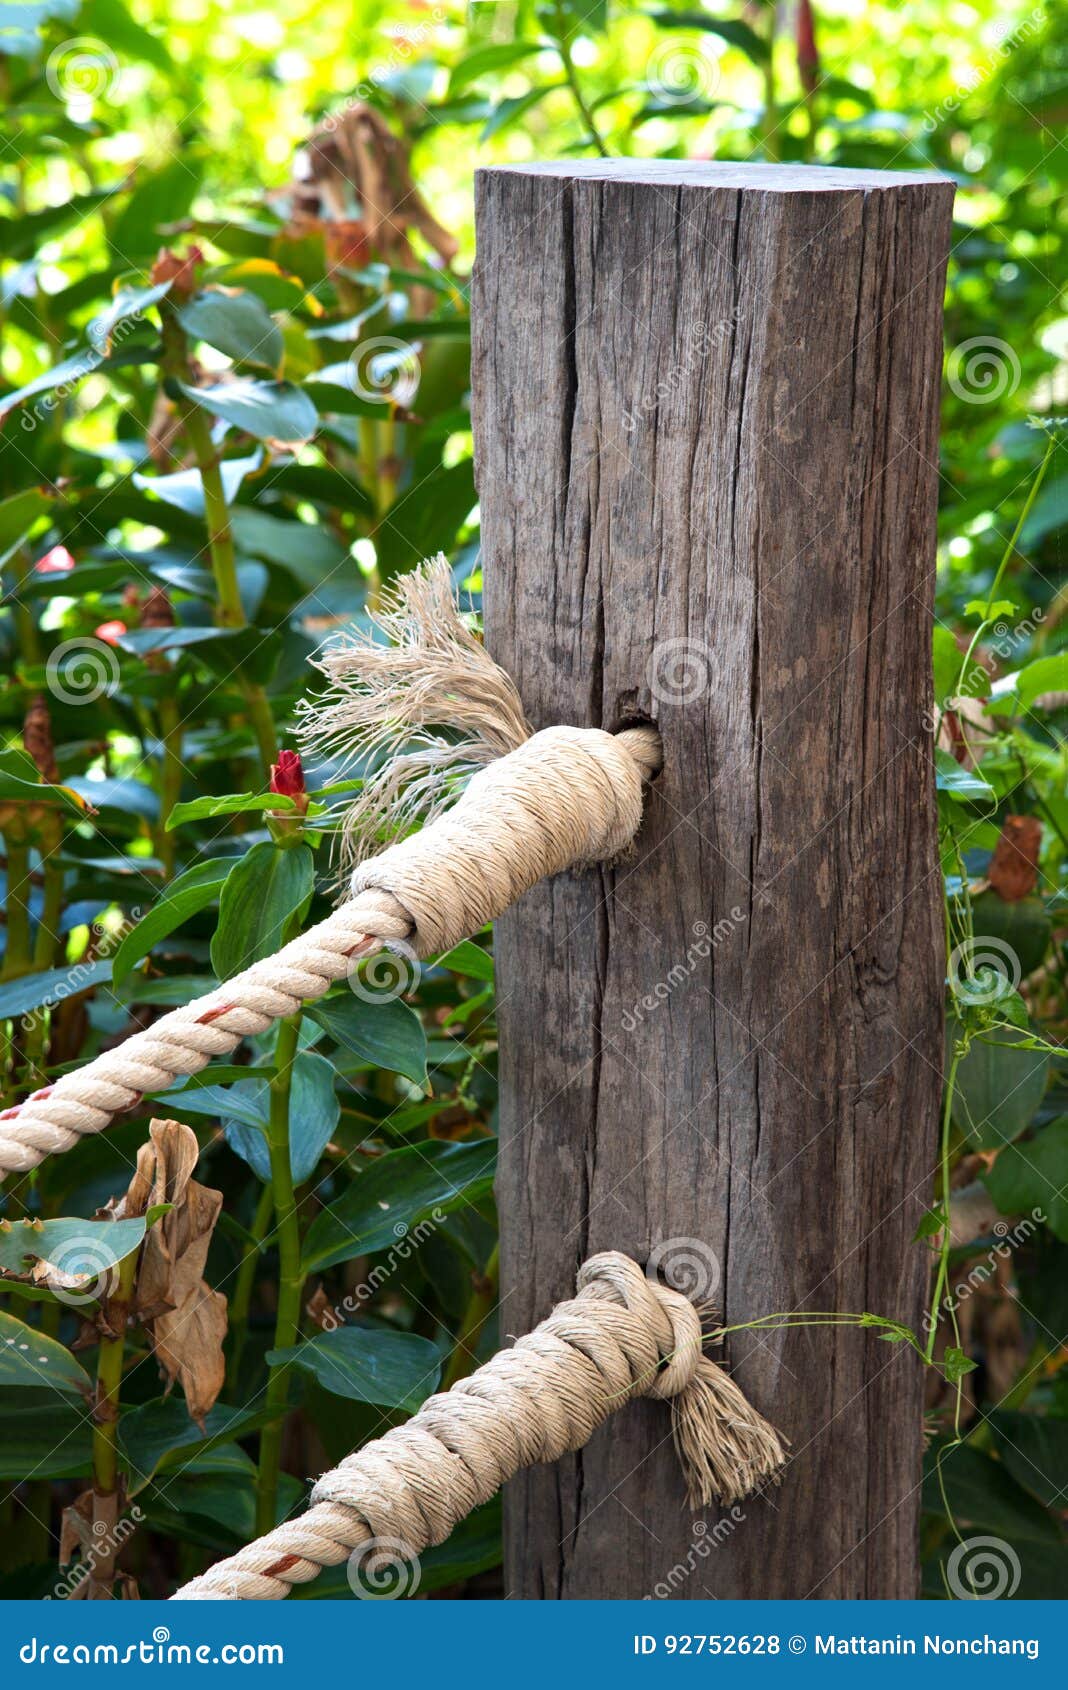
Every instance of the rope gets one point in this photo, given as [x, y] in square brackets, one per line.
[564, 798]
[623, 1336]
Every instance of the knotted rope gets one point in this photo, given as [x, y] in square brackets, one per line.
[623, 1336]
[553, 800]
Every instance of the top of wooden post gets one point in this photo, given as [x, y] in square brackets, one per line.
[768, 178]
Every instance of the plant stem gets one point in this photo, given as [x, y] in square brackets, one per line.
[985, 619]
[563, 45]
[106, 1479]
[464, 1358]
[944, 1246]
[290, 1274]
[17, 955]
[170, 781]
[241, 1301]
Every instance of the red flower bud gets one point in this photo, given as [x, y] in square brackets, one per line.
[287, 775]
[110, 632]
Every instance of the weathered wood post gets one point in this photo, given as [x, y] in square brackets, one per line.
[706, 406]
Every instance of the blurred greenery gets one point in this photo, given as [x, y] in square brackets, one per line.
[235, 244]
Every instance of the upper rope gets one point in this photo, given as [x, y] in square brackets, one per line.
[431, 709]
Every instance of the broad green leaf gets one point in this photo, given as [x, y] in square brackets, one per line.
[981, 1493]
[369, 1364]
[159, 196]
[18, 514]
[947, 662]
[185, 488]
[313, 1118]
[960, 783]
[1034, 1447]
[732, 30]
[278, 290]
[1016, 693]
[46, 1439]
[998, 1089]
[1032, 1178]
[468, 959]
[52, 987]
[160, 1434]
[268, 410]
[238, 324]
[232, 805]
[980, 607]
[134, 797]
[387, 1034]
[395, 1194]
[262, 892]
[185, 896]
[491, 60]
[1024, 927]
[78, 1253]
[307, 551]
[510, 110]
[28, 1357]
[20, 782]
[127, 305]
[68, 373]
[474, 1547]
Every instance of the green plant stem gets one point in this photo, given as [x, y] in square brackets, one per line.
[464, 1358]
[1007, 554]
[769, 122]
[170, 781]
[944, 1246]
[290, 1274]
[563, 47]
[109, 1382]
[25, 621]
[17, 953]
[241, 1301]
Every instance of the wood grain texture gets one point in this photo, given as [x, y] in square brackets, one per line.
[705, 408]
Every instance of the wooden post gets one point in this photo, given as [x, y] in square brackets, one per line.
[706, 407]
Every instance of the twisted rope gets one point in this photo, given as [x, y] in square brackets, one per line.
[621, 1337]
[564, 798]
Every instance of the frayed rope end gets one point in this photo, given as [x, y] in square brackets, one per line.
[421, 712]
[727, 1450]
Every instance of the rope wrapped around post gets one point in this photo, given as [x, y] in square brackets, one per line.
[622, 1336]
[534, 805]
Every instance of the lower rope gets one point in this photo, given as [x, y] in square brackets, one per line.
[623, 1336]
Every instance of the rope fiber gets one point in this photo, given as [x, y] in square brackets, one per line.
[622, 1336]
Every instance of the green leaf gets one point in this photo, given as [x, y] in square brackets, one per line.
[981, 1493]
[45, 1439]
[1016, 693]
[126, 306]
[390, 1369]
[238, 324]
[185, 896]
[185, 488]
[947, 663]
[387, 1034]
[989, 612]
[733, 31]
[159, 196]
[28, 1357]
[313, 1118]
[18, 515]
[396, 1194]
[998, 1089]
[233, 804]
[78, 1253]
[1033, 1178]
[509, 111]
[268, 410]
[962, 784]
[54, 986]
[1034, 1448]
[468, 959]
[307, 551]
[1023, 926]
[160, 1434]
[68, 373]
[955, 1364]
[490, 60]
[262, 892]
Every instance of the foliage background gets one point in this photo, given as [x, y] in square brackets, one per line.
[194, 603]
